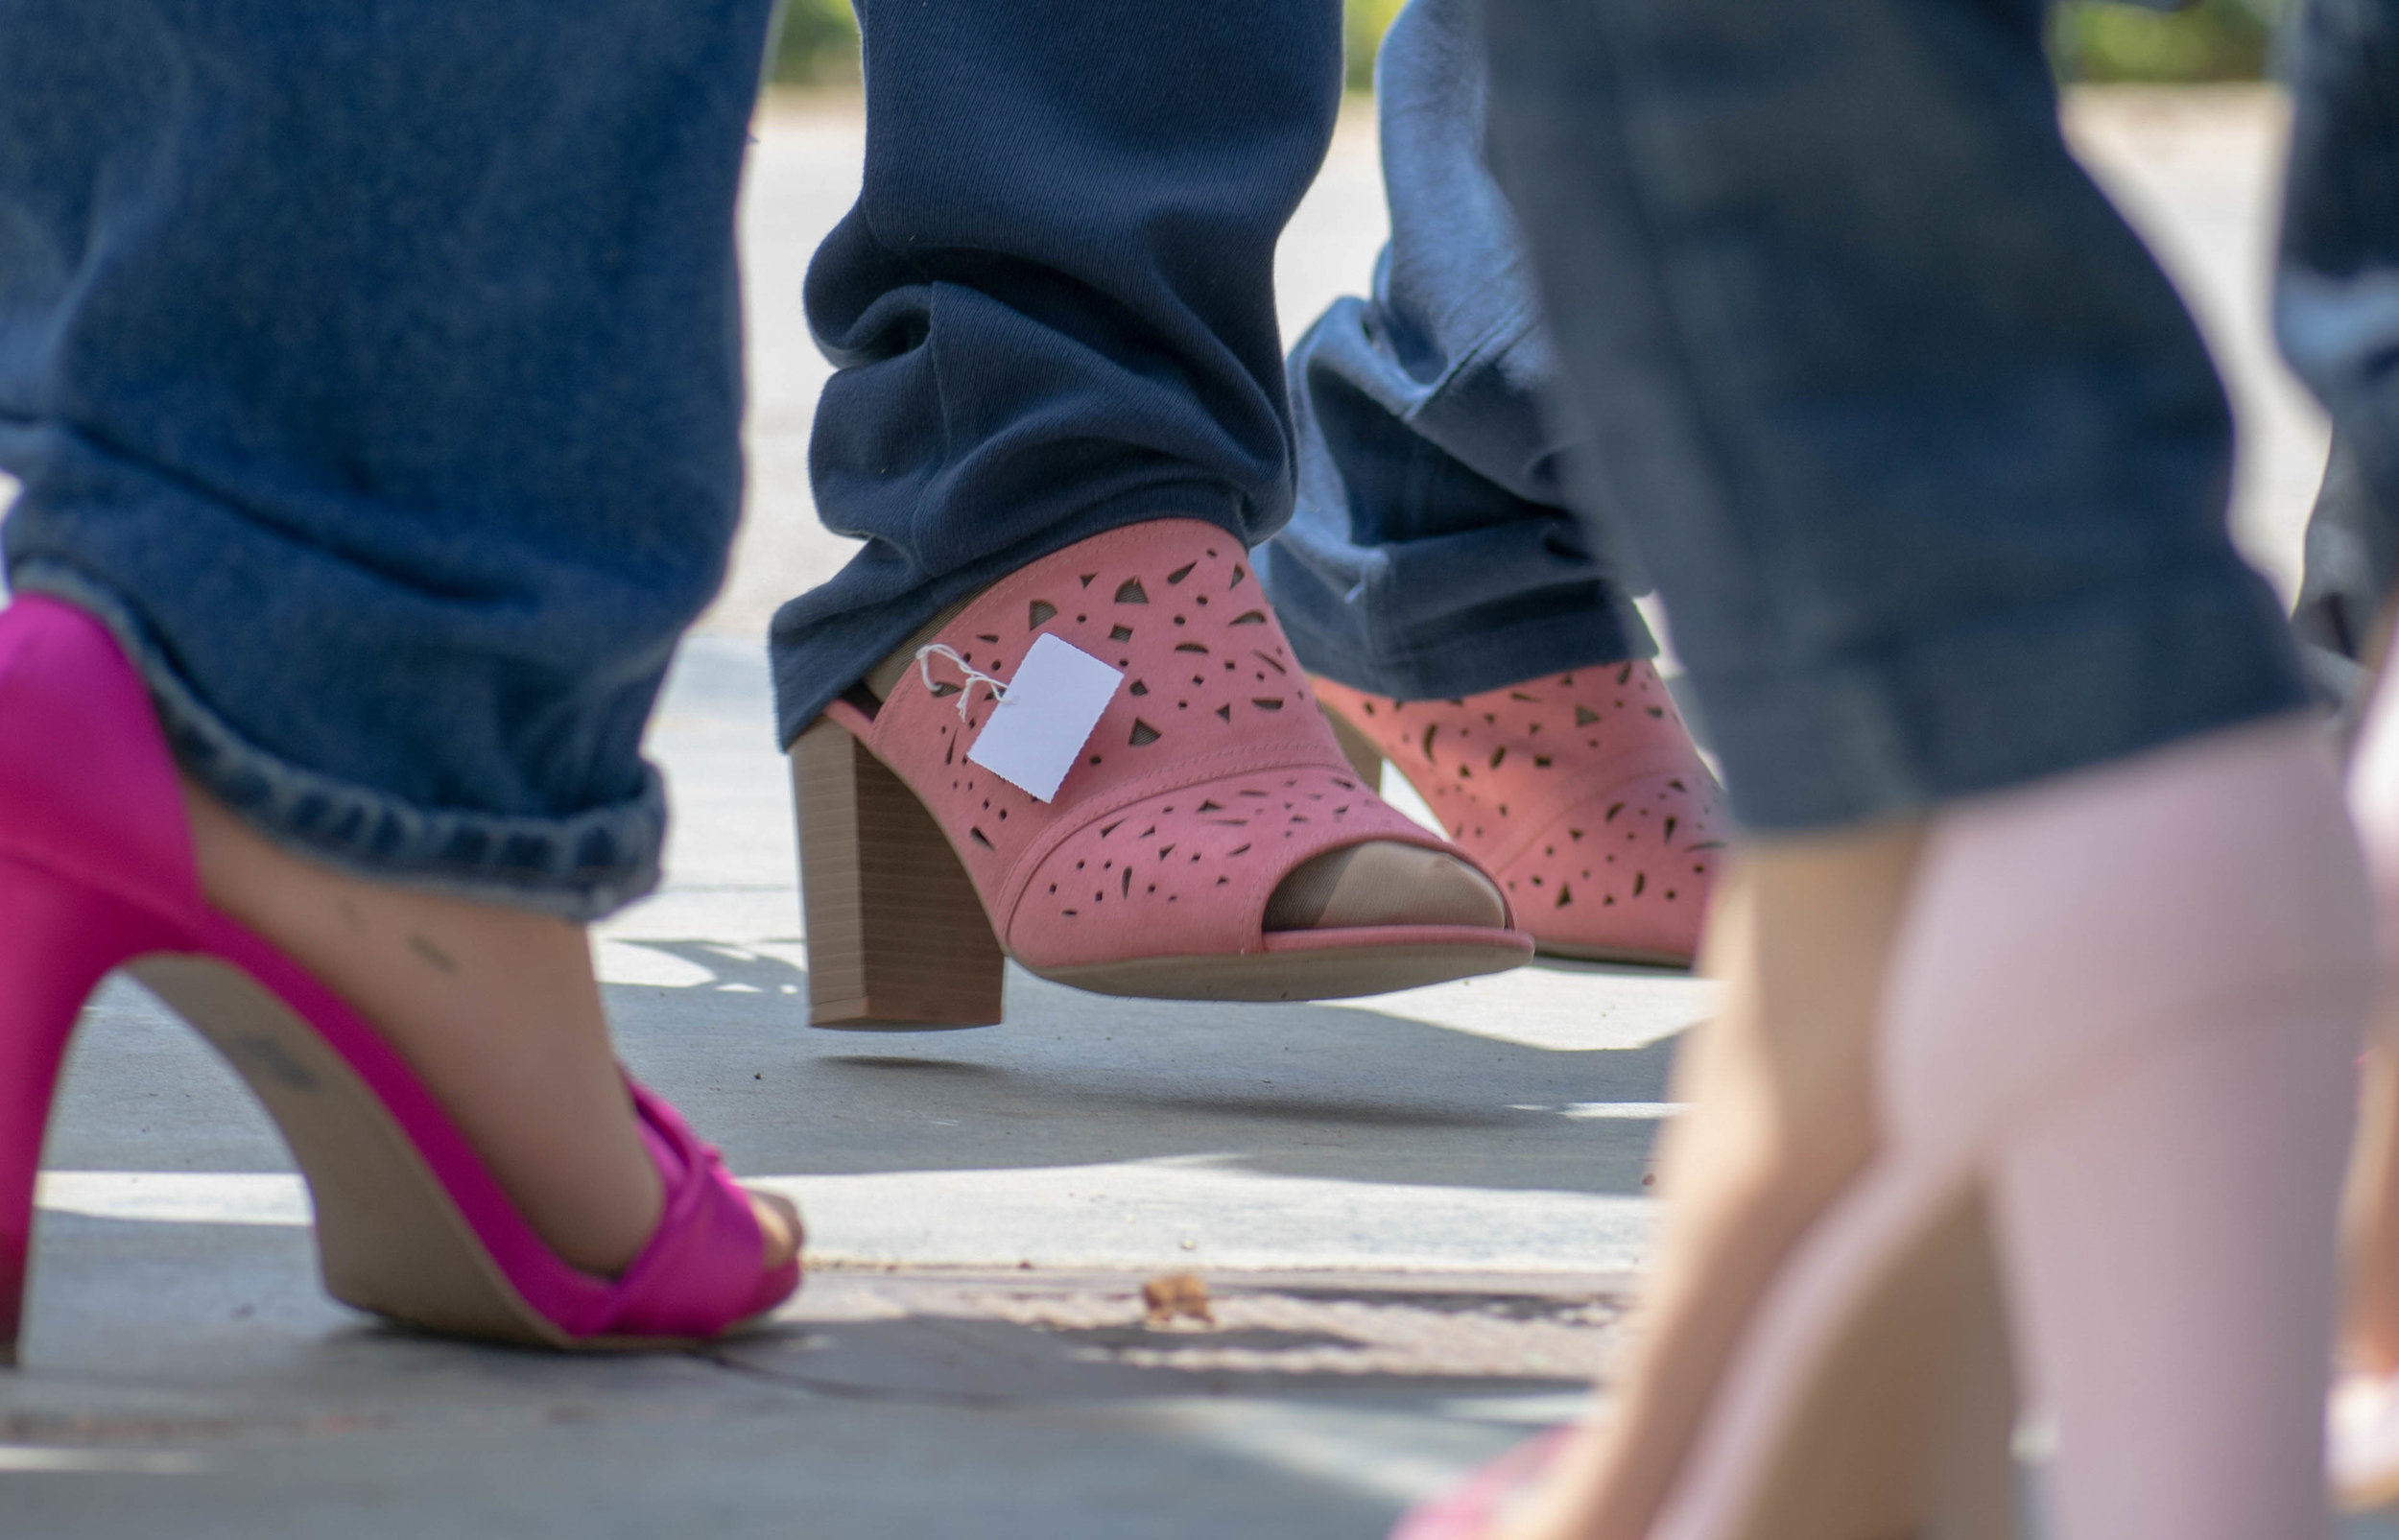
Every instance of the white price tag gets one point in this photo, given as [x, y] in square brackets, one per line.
[1038, 729]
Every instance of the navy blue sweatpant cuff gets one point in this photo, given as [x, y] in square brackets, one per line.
[827, 639]
[1476, 652]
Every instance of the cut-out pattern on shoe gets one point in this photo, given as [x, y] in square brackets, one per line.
[1210, 777]
[1582, 792]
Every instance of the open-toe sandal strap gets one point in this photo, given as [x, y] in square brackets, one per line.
[704, 1270]
[1198, 861]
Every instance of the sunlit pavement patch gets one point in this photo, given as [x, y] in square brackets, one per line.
[1175, 1212]
[178, 1198]
[42, 1460]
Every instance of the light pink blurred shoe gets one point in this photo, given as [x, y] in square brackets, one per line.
[2113, 1086]
[1582, 792]
[96, 874]
[1210, 778]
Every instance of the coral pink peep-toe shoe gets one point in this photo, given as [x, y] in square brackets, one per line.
[1582, 792]
[1210, 776]
[97, 874]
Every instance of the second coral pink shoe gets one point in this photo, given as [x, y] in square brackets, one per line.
[1582, 792]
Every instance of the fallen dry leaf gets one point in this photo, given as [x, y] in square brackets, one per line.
[1173, 1296]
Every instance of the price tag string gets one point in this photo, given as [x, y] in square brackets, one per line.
[974, 676]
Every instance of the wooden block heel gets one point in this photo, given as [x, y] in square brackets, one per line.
[897, 938]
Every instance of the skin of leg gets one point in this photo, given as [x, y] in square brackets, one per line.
[1375, 884]
[2371, 1209]
[1781, 1117]
[496, 1009]
[2369, 1205]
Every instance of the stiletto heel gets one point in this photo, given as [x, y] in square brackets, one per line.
[56, 942]
[96, 872]
[896, 938]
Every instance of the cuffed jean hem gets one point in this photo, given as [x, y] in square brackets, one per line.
[1475, 653]
[829, 638]
[2033, 693]
[577, 869]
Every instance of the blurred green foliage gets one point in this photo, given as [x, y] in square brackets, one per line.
[2211, 40]
[819, 45]
[820, 41]
[1363, 23]
[2090, 39]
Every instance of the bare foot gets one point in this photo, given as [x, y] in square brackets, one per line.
[497, 1009]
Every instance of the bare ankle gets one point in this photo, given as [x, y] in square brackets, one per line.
[496, 1009]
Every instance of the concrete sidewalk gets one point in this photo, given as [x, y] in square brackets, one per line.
[1417, 1216]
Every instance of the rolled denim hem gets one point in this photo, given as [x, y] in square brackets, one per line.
[2032, 693]
[577, 869]
[815, 658]
[1443, 668]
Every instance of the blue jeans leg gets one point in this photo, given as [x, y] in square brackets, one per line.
[2336, 313]
[1432, 552]
[1051, 311]
[374, 371]
[2336, 287]
[1926, 456]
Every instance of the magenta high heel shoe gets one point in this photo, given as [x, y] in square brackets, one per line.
[97, 874]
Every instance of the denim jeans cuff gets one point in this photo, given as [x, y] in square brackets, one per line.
[1982, 706]
[1466, 660]
[577, 869]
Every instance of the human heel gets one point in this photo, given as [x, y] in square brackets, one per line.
[897, 938]
[57, 940]
[2169, 1240]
